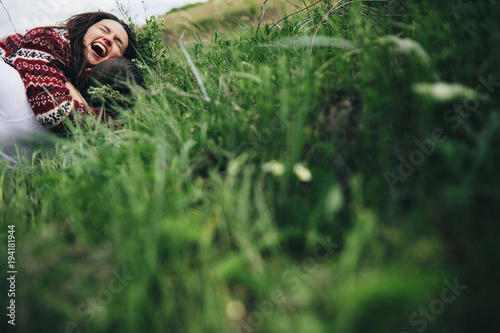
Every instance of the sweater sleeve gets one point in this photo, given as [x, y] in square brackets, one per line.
[45, 86]
[48, 96]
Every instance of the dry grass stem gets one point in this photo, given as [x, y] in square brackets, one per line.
[287, 16]
[334, 8]
[262, 16]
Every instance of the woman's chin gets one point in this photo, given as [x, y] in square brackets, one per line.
[93, 59]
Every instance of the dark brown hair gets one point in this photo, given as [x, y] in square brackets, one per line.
[121, 75]
[77, 27]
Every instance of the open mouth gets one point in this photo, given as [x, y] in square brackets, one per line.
[99, 49]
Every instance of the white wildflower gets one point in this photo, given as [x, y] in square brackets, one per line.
[303, 173]
[274, 167]
[235, 310]
[443, 92]
[406, 46]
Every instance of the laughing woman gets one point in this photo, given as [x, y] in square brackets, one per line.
[36, 68]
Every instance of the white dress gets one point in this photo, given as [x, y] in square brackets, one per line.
[20, 132]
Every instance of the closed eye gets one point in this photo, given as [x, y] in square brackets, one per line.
[118, 41]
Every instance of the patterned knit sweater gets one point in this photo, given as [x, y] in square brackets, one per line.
[45, 84]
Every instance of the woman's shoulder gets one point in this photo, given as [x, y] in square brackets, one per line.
[51, 40]
[50, 33]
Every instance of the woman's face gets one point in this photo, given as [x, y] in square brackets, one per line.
[104, 40]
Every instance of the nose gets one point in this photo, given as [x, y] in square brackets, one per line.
[107, 41]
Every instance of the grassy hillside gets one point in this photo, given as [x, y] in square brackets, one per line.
[268, 182]
[225, 16]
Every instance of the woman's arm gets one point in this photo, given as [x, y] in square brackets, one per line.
[50, 97]
[75, 94]
[53, 98]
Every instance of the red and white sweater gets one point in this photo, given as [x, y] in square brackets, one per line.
[45, 84]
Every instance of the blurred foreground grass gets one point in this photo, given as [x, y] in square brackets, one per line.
[264, 185]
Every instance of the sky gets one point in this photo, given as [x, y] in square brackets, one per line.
[28, 14]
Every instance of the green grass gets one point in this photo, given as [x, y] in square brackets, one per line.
[225, 16]
[174, 223]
